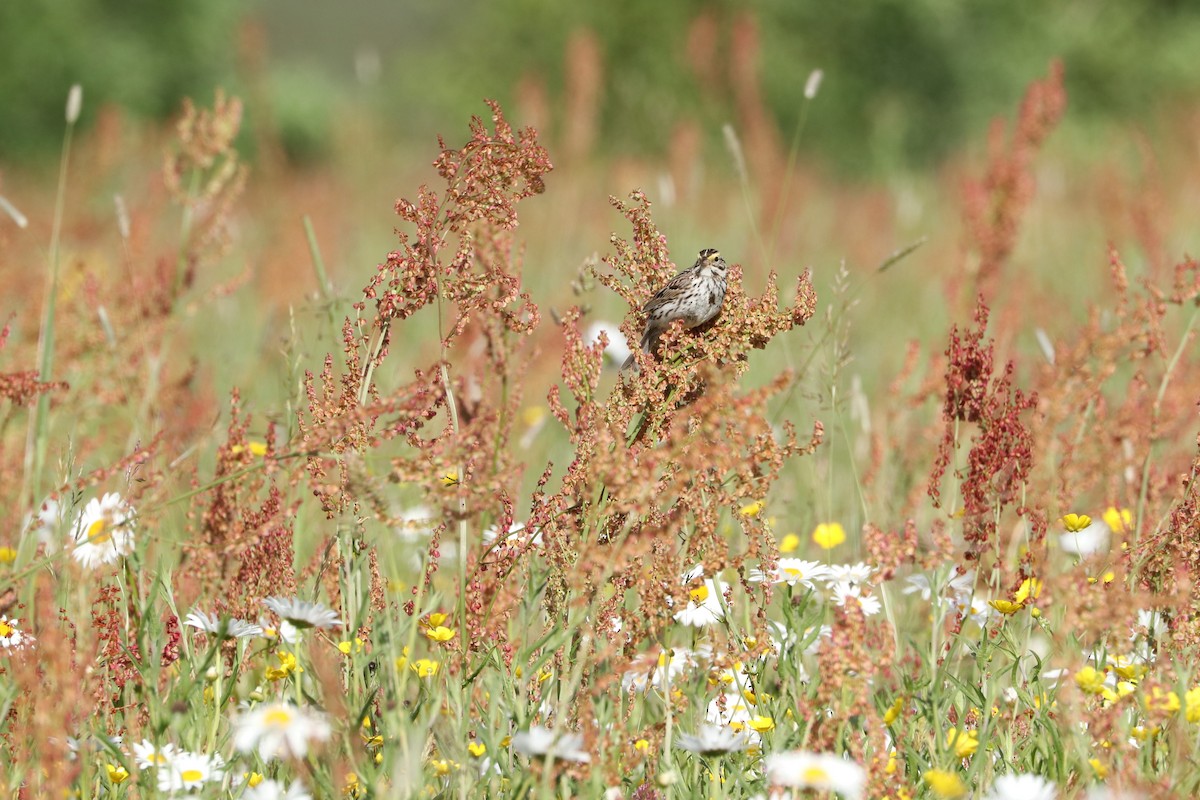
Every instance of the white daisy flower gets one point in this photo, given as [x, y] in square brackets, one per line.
[147, 755]
[187, 771]
[849, 573]
[728, 709]
[617, 349]
[279, 730]
[104, 531]
[46, 523]
[712, 740]
[274, 790]
[844, 592]
[12, 638]
[704, 605]
[418, 524]
[792, 571]
[516, 535]
[658, 671]
[800, 769]
[539, 742]
[1095, 538]
[226, 628]
[303, 614]
[286, 632]
[1022, 787]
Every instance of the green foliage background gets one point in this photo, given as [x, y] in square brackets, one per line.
[906, 81]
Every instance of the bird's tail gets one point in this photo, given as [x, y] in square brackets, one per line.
[648, 344]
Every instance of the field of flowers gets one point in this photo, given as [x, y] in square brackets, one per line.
[925, 528]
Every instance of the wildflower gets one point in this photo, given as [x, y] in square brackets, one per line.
[944, 784]
[476, 749]
[286, 632]
[789, 544]
[352, 788]
[752, 509]
[303, 614]
[1022, 787]
[616, 349]
[226, 627]
[539, 742]
[1006, 607]
[269, 789]
[516, 535]
[828, 535]
[761, 724]
[800, 769]
[104, 531]
[189, 771]
[1090, 680]
[1192, 705]
[1030, 589]
[1158, 700]
[704, 605]
[287, 665]
[47, 522]
[116, 774]
[844, 593]
[712, 740]
[254, 447]
[849, 573]
[658, 671]
[792, 571]
[439, 634]
[425, 667]
[450, 478]
[146, 755]
[1098, 768]
[893, 713]
[13, 638]
[7, 555]
[1093, 537]
[279, 729]
[1076, 522]
[964, 743]
[351, 647]
[1119, 520]
[1129, 667]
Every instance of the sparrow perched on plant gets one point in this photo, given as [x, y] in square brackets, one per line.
[694, 296]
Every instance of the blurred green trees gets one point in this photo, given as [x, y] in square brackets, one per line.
[905, 80]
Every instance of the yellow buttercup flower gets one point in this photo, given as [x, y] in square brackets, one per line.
[440, 634]
[476, 749]
[789, 543]
[1090, 680]
[1118, 519]
[1076, 522]
[965, 743]
[893, 713]
[752, 509]
[116, 774]
[944, 784]
[829, 535]
[761, 724]
[425, 667]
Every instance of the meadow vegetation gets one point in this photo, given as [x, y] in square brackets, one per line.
[919, 524]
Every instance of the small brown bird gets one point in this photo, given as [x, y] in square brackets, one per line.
[694, 296]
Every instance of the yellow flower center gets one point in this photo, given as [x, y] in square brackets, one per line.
[191, 775]
[816, 775]
[5, 630]
[278, 716]
[98, 532]
[699, 594]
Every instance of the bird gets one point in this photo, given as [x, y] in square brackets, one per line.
[694, 295]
